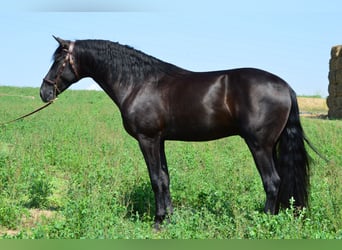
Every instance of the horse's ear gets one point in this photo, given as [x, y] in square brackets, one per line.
[62, 43]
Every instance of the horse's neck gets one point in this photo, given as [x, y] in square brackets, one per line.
[107, 78]
[115, 90]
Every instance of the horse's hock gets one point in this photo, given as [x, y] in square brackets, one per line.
[334, 100]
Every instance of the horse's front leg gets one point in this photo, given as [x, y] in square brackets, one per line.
[153, 151]
[166, 179]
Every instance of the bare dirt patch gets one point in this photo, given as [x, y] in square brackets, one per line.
[34, 217]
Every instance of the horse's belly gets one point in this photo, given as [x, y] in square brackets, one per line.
[200, 132]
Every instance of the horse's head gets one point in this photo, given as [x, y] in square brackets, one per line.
[62, 73]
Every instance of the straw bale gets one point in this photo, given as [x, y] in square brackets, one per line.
[334, 100]
[336, 51]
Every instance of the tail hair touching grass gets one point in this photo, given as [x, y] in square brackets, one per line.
[293, 161]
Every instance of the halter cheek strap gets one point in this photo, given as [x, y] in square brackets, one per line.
[69, 57]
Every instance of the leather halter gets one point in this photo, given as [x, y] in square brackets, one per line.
[68, 58]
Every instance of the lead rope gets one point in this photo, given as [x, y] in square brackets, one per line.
[29, 114]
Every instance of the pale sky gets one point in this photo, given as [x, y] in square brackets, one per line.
[290, 39]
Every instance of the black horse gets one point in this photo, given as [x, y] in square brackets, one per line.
[159, 101]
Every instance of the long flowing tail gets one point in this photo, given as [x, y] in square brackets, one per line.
[293, 161]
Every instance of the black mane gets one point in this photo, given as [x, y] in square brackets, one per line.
[125, 62]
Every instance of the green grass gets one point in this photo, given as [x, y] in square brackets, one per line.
[75, 160]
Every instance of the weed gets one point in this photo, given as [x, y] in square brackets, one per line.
[39, 191]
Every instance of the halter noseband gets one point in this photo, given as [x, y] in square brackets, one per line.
[68, 58]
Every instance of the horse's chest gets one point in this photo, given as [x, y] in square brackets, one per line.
[144, 116]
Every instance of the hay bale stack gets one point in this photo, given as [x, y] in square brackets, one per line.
[334, 100]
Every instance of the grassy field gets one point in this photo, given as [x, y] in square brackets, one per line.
[71, 171]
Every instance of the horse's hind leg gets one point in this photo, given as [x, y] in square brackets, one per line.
[263, 157]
